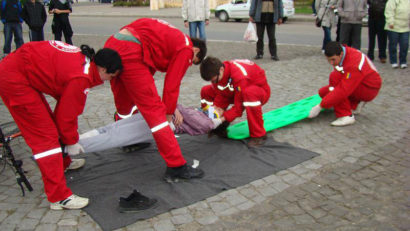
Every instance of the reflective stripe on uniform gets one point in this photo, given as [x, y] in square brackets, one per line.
[362, 62]
[207, 102]
[47, 153]
[160, 126]
[252, 104]
[227, 86]
[241, 68]
[331, 88]
[129, 115]
[186, 40]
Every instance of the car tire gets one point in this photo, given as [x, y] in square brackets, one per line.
[223, 16]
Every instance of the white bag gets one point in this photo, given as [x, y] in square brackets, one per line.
[250, 33]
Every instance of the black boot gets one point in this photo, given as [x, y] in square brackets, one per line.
[185, 172]
[135, 202]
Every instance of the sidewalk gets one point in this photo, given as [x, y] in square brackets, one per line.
[107, 10]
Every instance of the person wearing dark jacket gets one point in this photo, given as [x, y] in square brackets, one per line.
[35, 16]
[376, 29]
[61, 24]
[11, 18]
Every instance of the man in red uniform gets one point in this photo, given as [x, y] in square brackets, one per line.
[248, 83]
[66, 73]
[146, 46]
[353, 80]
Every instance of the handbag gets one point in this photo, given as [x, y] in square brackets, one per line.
[318, 22]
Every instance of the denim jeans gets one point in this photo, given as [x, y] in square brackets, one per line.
[327, 36]
[11, 28]
[36, 35]
[194, 27]
[403, 40]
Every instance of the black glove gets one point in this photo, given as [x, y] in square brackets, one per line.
[220, 130]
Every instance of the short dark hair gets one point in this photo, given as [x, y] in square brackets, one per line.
[109, 59]
[199, 43]
[210, 67]
[333, 48]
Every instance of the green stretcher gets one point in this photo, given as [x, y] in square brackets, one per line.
[277, 118]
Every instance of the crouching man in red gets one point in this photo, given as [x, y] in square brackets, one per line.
[146, 46]
[353, 80]
[66, 73]
[248, 83]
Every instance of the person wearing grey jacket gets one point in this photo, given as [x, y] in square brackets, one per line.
[196, 15]
[325, 11]
[351, 12]
[266, 13]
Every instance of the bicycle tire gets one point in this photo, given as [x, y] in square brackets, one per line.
[9, 128]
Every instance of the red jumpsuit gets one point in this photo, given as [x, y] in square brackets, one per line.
[357, 80]
[61, 71]
[163, 48]
[247, 82]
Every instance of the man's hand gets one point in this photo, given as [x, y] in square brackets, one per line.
[178, 118]
[279, 21]
[74, 149]
[206, 22]
[251, 19]
[186, 24]
[315, 111]
[391, 26]
[219, 111]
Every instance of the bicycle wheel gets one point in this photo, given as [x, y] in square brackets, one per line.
[7, 129]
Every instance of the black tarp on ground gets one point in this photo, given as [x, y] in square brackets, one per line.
[227, 164]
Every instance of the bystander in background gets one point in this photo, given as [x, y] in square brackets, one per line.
[196, 15]
[35, 16]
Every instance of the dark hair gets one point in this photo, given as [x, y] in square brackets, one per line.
[109, 59]
[210, 67]
[333, 48]
[87, 51]
[196, 42]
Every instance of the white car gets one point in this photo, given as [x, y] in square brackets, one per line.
[239, 9]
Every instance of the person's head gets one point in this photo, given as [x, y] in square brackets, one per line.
[212, 69]
[334, 53]
[199, 47]
[108, 61]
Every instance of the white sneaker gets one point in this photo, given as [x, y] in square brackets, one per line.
[395, 65]
[76, 164]
[403, 66]
[359, 108]
[343, 121]
[71, 202]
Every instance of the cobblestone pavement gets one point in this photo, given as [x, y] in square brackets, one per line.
[360, 181]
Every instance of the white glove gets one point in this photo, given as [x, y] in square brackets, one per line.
[74, 149]
[315, 111]
[216, 122]
[172, 126]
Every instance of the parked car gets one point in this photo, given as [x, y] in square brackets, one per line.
[239, 9]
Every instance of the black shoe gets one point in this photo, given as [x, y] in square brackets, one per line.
[258, 57]
[135, 147]
[274, 58]
[135, 202]
[185, 172]
[256, 141]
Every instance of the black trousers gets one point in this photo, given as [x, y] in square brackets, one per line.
[260, 31]
[376, 28]
[350, 34]
[62, 25]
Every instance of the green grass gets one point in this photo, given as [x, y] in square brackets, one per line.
[303, 7]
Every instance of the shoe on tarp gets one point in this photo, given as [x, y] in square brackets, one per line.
[135, 202]
[185, 172]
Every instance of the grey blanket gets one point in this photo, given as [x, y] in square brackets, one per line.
[227, 164]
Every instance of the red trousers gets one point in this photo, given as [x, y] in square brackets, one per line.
[208, 97]
[251, 99]
[136, 86]
[345, 107]
[36, 123]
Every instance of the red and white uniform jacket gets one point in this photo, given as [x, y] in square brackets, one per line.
[165, 49]
[238, 75]
[59, 70]
[355, 69]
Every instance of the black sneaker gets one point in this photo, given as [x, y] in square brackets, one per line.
[135, 147]
[258, 57]
[135, 202]
[185, 172]
[274, 58]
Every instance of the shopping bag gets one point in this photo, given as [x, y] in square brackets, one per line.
[250, 33]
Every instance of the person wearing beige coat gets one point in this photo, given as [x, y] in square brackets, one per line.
[196, 15]
[326, 12]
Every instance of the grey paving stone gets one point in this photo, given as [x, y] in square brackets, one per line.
[46, 227]
[182, 219]
[163, 225]
[28, 224]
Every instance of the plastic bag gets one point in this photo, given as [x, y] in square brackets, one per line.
[250, 33]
